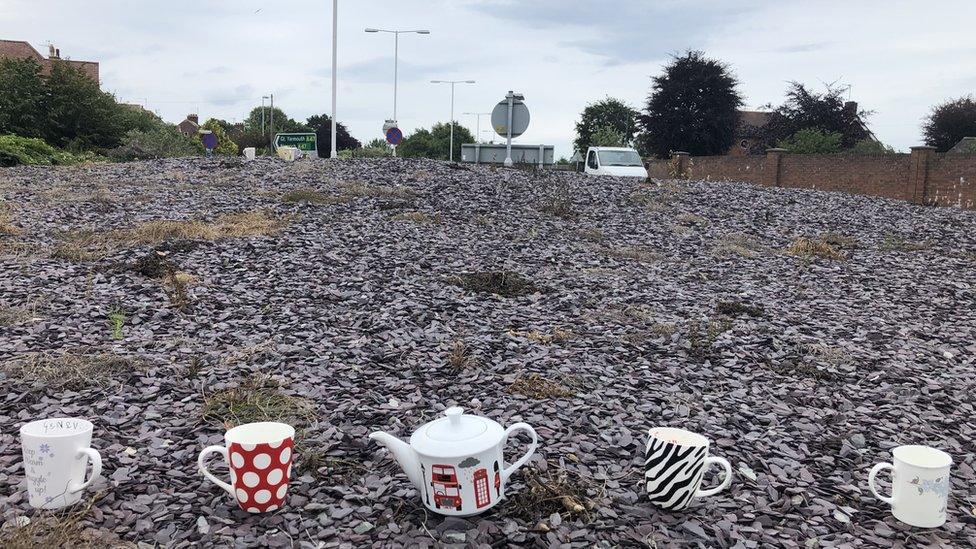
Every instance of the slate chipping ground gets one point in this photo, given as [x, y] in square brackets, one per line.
[343, 308]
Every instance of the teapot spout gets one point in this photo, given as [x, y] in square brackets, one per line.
[404, 455]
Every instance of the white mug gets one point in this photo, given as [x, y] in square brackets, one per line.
[56, 455]
[919, 485]
[675, 461]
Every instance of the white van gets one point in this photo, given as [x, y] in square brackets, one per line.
[616, 161]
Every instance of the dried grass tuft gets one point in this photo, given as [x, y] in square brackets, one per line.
[806, 248]
[422, 218]
[312, 196]
[59, 529]
[236, 225]
[558, 335]
[539, 388]
[503, 283]
[72, 370]
[556, 490]
[257, 398]
[461, 356]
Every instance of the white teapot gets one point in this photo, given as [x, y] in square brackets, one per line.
[456, 462]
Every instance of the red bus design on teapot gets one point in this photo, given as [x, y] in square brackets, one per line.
[447, 491]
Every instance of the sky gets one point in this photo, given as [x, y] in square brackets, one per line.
[219, 57]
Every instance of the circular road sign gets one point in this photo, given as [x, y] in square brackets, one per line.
[520, 118]
[394, 136]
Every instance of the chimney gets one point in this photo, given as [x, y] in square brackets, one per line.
[52, 52]
[195, 118]
[851, 107]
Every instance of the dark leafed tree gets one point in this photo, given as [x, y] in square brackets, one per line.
[610, 113]
[321, 124]
[436, 142]
[693, 107]
[21, 98]
[949, 123]
[826, 112]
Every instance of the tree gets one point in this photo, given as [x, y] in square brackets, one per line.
[609, 113]
[164, 141]
[21, 98]
[812, 141]
[321, 124]
[282, 123]
[79, 115]
[827, 112]
[225, 145]
[950, 122]
[692, 107]
[872, 146]
[436, 142]
[608, 136]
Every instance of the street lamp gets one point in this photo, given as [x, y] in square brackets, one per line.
[479, 115]
[396, 58]
[452, 83]
[264, 132]
[335, 56]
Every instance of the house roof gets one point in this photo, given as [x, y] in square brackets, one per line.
[756, 119]
[18, 49]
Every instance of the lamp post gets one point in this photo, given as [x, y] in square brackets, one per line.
[396, 63]
[264, 132]
[479, 115]
[452, 83]
[335, 56]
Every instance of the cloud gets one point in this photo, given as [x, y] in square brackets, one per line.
[628, 31]
[228, 97]
[380, 70]
[802, 48]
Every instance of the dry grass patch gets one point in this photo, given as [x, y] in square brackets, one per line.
[312, 196]
[11, 315]
[359, 190]
[422, 218]
[59, 529]
[590, 234]
[806, 248]
[556, 490]
[897, 243]
[79, 247]
[737, 308]
[739, 244]
[634, 253]
[72, 370]
[539, 388]
[236, 225]
[839, 240]
[690, 219]
[461, 356]
[557, 335]
[257, 398]
[7, 228]
[503, 283]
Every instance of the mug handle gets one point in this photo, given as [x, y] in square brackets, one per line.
[725, 482]
[203, 468]
[96, 461]
[874, 473]
[507, 472]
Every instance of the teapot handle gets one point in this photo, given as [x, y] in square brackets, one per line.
[507, 472]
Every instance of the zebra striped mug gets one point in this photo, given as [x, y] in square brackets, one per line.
[675, 462]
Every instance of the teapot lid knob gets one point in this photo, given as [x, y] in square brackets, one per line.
[454, 415]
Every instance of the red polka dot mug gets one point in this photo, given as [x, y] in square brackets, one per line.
[259, 456]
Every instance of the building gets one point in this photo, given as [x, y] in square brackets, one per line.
[15, 49]
[750, 132]
[748, 137]
[190, 126]
[965, 145]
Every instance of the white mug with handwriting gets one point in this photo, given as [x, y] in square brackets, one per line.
[919, 485]
[56, 456]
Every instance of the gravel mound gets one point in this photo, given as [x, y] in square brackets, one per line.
[372, 294]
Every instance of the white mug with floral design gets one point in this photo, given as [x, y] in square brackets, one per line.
[56, 456]
[919, 485]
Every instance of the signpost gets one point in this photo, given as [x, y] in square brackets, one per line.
[510, 118]
[392, 137]
[305, 142]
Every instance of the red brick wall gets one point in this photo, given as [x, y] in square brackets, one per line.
[952, 181]
[922, 176]
[884, 175]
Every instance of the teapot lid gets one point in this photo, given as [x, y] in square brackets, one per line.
[456, 435]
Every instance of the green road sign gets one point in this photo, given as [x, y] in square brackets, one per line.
[302, 141]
